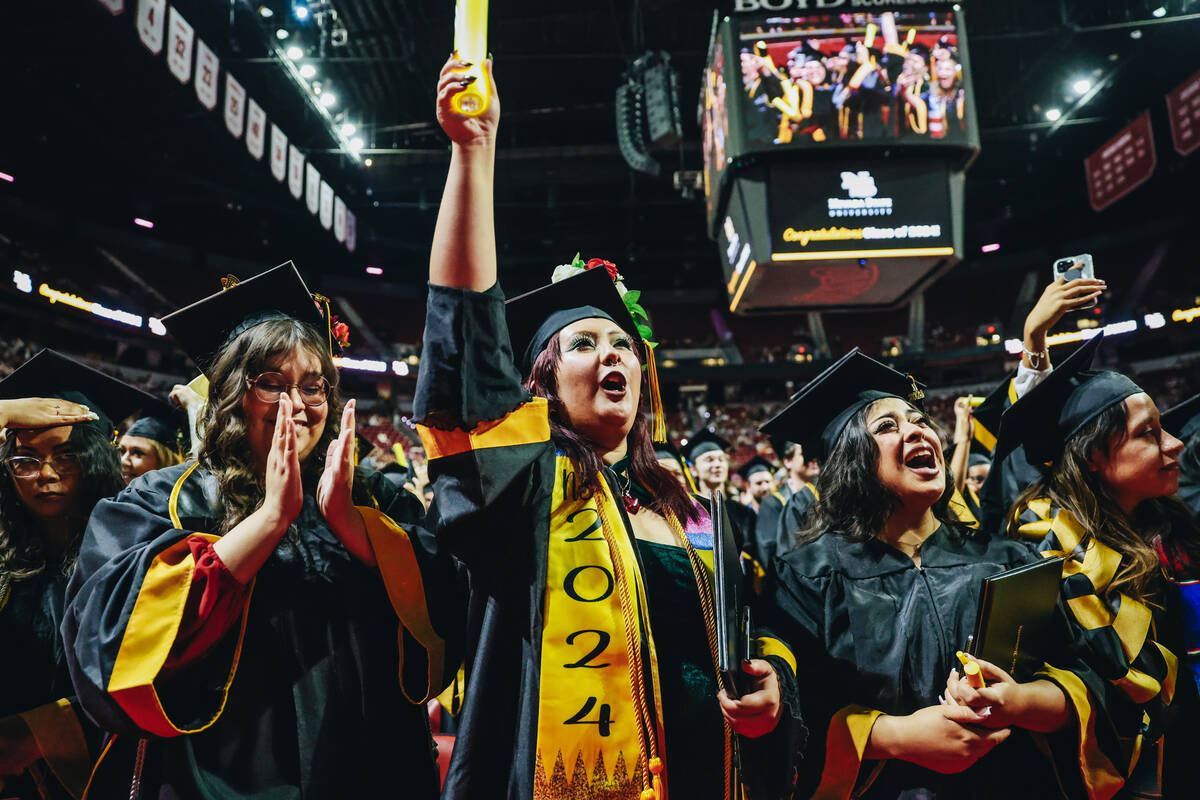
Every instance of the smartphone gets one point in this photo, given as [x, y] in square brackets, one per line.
[1073, 267]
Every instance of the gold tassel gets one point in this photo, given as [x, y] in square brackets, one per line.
[659, 428]
[328, 319]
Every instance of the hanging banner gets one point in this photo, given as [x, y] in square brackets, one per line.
[180, 35]
[312, 188]
[1122, 164]
[235, 106]
[351, 231]
[295, 171]
[151, 16]
[256, 129]
[114, 6]
[1183, 110]
[279, 146]
[339, 219]
[207, 66]
[326, 205]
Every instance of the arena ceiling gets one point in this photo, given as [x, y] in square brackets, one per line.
[97, 128]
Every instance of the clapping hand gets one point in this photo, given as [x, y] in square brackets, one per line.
[334, 495]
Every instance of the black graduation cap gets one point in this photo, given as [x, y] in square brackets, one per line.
[755, 465]
[704, 441]
[51, 374]
[1072, 395]
[203, 327]
[919, 49]
[163, 424]
[820, 411]
[1183, 420]
[534, 317]
[978, 460]
[665, 450]
[987, 415]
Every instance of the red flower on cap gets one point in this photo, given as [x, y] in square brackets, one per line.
[341, 332]
[609, 267]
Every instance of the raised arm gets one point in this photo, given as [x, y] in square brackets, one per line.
[464, 241]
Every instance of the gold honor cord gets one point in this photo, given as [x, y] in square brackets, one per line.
[659, 428]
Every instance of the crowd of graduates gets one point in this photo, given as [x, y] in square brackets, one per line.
[230, 603]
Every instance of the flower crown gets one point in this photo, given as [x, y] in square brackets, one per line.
[629, 297]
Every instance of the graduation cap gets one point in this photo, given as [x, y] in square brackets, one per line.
[51, 374]
[162, 424]
[1183, 420]
[203, 327]
[754, 466]
[978, 460]
[704, 441]
[1072, 395]
[820, 411]
[987, 414]
[534, 318]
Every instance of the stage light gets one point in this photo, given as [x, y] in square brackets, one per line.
[360, 364]
[307, 71]
[266, 12]
[1054, 115]
[369, 162]
[348, 129]
[4, 176]
[356, 144]
[328, 99]
[281, 34]
[22, 281]
[1159, 12]
[143, 223]
[300, 10]
[156, 326]
[1081, 86]
[374, 270]
[295, 53]
[1155, 320]
[400, 368]
[990, 248]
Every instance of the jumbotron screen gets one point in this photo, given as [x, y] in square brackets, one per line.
[854, 78]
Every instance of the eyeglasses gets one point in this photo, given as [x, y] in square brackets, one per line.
[269, 385]
[25, 467]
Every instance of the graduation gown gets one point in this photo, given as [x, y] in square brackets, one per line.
[316, 691]
[37, 686]
[567, 691]
[779, 518]
[878, 635]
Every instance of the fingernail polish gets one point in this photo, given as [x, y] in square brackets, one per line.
[469, 63]
[469, 81]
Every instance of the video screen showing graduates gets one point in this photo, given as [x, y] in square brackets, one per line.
[855, 77]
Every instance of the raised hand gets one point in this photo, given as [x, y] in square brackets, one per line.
[461, 128]
[42, 412]
[334, 496]
[756, 713]
[1057, 299]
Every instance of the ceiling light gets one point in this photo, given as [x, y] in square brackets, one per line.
[4, 176]
[1159, 12]
[369, 161]
[295, 53]
[266, 12]
[328, 99]
[356, 144]
[142, 223]
[1081, 86]
[1135, 34]
[990, 248]
[374, 271]
[281, 34]
[1053, 115]
[307, 70]
[348, 129]
[300, 10]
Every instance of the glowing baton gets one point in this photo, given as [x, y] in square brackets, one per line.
[470, 42]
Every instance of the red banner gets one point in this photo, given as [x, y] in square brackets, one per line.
[1183, 109]
[1122, 164]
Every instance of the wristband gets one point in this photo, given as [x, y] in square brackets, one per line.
[1036, 360]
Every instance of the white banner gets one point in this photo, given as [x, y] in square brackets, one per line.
[351, 231]
[151, 16]
[279, 146]
[312, 188]
[115, 6]
[207, 68]
[179, 46]
[235, 106]
[295, 171]
[339, 219]
[326, 205]
[256, 128]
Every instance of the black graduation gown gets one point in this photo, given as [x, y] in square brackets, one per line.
[310, 698]
[878, 634]
[34, 675]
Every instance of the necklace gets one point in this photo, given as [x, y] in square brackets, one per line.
[624, 483]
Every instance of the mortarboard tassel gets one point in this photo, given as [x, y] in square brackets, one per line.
[659, 428]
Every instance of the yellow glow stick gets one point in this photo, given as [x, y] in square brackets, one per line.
[912, 36]
[470, 42]
[869, 39]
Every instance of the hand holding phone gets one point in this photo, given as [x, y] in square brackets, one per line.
[1073, 268]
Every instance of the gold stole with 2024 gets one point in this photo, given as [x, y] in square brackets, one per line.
[599, 725]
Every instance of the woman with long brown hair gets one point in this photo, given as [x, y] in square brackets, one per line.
[591, 669]
[1105, 500]
[234, 619]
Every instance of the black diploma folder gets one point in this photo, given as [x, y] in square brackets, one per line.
[1016, 610]
[733, 617]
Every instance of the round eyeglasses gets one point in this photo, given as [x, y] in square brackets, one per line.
[269, 385]
[25, 467]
